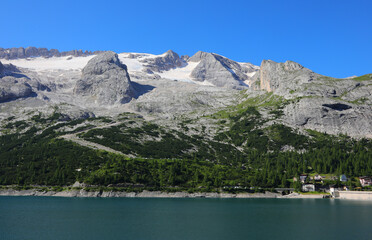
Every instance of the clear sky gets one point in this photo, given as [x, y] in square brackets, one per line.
[331, 37]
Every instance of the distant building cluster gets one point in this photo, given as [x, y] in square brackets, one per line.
[316, 182]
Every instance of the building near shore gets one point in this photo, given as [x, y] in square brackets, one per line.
[308, 187]
[365, 181]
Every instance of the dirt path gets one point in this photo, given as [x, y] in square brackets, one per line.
[74, 138]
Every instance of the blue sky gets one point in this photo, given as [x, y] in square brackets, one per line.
[333, 38]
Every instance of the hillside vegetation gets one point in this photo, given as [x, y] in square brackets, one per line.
[244, 152]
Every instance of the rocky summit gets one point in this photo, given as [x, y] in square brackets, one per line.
[105, 80]
[220, 71]
[169, 89]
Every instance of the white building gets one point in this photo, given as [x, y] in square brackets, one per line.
[365, 181]
[308, 187]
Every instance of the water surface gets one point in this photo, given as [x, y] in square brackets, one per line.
[140, 218]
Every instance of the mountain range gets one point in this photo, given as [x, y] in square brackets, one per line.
[162, 122]
[166, 86]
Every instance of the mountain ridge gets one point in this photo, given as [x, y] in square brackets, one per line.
[136, 121]
[171, 85]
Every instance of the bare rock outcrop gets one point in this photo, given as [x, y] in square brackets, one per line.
[328, 115]
[220, 71]
[280, 77]
[11, 87]
[15, 53]
[325, 104]
[164, 62]
[105, 80]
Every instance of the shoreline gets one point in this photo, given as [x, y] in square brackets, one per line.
[155, 194]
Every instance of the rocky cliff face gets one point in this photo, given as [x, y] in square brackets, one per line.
[14, 53]
[330, 116]
[165, 62]
[220, 71]
[318, 102]
[277, 77]
[105, 81]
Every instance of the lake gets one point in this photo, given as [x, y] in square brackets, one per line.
[149, 218]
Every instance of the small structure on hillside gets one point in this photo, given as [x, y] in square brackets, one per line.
[343, 178]
[303, 178]
[308, 187]
[317, 177]
[365, 181]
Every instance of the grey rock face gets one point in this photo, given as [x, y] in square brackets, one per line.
[105, 80]
[277, 77]
[333, 117]
[12, 88]
[14, 53]
[185, 57]
[197, 57]
[171, 98]
[220, 71]
[31, 52]
[1, 69]
[164, 63]
[321, 103]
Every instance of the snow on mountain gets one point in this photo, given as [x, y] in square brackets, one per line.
[53, 63]
[180, 74]
[137, 64]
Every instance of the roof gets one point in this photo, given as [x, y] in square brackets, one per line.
[365, 177]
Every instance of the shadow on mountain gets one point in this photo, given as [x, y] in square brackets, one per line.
[17, 75]
[338, 106]
[12, 98]
[141, 89]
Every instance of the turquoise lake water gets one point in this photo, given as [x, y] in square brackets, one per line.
[140, 218]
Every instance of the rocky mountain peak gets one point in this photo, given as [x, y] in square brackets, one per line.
[197, 57]
[220, 71]
[173, 57]
[105, 80]
[102, 63]
[164, 62]
[171, 53]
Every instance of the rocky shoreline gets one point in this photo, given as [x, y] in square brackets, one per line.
[154, 194]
